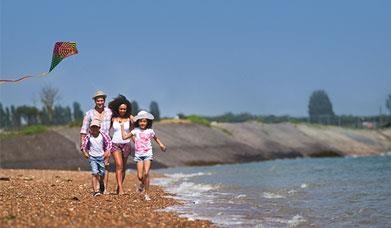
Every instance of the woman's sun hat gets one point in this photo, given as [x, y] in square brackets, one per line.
[99, 93]
[143, 115]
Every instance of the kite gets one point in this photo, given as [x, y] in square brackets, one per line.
[61, 51]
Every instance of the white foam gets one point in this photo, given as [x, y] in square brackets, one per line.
[162, 181]
[172, 178]
[190, 189]
[303, 185]
[293, 222]
[240, 196]
[271, 195]
[388, 153]
[187, 175]
[296, 220]
[292, 191]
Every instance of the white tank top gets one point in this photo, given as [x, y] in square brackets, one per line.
[117, 136]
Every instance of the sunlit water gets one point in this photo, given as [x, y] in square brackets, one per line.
[327, 192]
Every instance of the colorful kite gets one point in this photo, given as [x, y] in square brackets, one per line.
[61, 51]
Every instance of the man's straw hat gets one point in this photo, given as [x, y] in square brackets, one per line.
[99, 93]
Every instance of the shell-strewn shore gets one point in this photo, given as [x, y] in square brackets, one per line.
[44, 198]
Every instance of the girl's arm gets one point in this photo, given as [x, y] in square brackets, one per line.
[162, 146]
[123, 133]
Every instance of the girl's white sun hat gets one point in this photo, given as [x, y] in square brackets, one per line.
[143, 115]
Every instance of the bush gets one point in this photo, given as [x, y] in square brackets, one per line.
[33, 129]
[75, 123]
[198, 120]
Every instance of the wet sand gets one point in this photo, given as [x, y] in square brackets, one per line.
[64, 198]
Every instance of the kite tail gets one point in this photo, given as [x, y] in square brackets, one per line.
[23, 78]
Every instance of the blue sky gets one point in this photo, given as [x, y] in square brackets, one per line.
[203, 57]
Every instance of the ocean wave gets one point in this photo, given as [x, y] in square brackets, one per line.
[240, 196]
[187, 175]
[169, 179]
[387, 153]
[190, 188]
[293, 222]
[271, 195]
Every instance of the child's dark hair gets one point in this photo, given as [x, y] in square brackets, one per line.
[149, 124]
[118, 101]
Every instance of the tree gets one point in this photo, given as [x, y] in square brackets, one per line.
[388, 103]
[29, 114]
[181, 116]
[135, 108]
[320, 106]
[154, 110]
[61, 115]
[43, 116]
[2, 116]
[77, 112]
[49, 95]
[7, 118]
[15, 118]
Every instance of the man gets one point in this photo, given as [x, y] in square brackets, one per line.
[103, 115]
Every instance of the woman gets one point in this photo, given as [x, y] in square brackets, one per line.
[121, 109]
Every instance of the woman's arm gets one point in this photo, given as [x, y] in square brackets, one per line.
[131, 123]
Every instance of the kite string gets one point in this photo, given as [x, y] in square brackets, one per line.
[43, 74]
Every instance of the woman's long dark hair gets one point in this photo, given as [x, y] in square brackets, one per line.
[118, 101]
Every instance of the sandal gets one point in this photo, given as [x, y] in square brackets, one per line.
[96, 194]
[141, 187]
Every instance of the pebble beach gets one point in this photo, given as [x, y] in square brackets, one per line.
[64, 198]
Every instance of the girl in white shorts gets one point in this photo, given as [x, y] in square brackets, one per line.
[142, 135]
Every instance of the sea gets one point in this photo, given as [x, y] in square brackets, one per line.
[304, 192]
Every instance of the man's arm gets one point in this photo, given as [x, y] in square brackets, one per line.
[86, 153]
[84, 147]
[84, 127]
[82, 136]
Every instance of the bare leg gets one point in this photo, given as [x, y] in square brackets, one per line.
[106, 177]
[95, 183]
[124, 160]
[118, 170]
[147, 166]
[140, 168]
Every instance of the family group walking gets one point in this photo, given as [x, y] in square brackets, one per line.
[114, 131]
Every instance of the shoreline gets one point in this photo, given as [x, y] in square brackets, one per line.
[63, 198]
